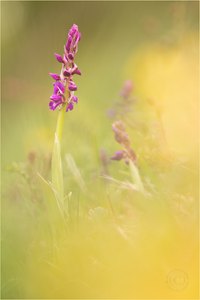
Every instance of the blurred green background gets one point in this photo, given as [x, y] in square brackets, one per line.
[111, 33]
[153, 43]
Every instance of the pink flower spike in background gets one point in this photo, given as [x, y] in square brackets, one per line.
[64, 86]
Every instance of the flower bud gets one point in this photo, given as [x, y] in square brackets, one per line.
[66, 73]
[118, 155]
[70, 56]
[72, 87]
[70, 106]
[76, 71]
[73, 30]
[68, 44]
[54, 76]
[58, 57]
[75, 99]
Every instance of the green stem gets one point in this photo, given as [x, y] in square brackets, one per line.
[56, 167]
[60, 123]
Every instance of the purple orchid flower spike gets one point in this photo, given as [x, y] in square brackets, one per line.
[64, 86]
[121, 136]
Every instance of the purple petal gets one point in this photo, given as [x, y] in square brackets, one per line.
[55, 76]
[118, 155]
[72, 87]
[55, 90]
[70, 106]
[75, 99]
[53, 105]
[56, 98]
[66, 73]
[59, 87]
[58, 57]
[76, 71]
[65, 59]
[70, 56]
[68, 44]
[73, 30]
[77, 38]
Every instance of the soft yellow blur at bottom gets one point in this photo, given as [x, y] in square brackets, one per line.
[154, 261]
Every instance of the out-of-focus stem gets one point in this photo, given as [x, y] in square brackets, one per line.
[136, 176]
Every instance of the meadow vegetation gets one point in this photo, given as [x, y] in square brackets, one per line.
[129, 224]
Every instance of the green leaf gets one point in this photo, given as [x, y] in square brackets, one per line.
[136, 177]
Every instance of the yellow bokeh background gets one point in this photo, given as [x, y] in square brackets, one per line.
[167, 73]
